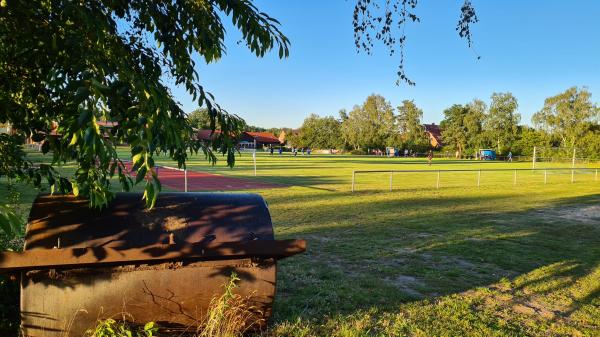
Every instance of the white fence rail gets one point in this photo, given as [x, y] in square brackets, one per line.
[478, 173]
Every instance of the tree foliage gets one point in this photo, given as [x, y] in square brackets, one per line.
[453, 125]
[502, 120]
[386, 20]
[568, 116]
[473, 122]
[318, 132]
[370, 125]
[78, 63]
[200, 119]
[409, 121]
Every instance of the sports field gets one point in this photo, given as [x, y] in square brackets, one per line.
[502, 259]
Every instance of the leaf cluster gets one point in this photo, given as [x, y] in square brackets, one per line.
[85, 76]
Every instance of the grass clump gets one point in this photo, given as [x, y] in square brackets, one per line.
[231, 314]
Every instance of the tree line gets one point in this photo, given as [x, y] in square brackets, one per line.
[567, 120]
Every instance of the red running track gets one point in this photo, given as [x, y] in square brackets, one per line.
[202, 181]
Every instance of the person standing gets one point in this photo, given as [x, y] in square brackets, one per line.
[429, 157]
[510, 156]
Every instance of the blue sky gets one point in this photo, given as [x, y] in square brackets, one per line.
[533, 49]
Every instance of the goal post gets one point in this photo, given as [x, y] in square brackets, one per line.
[556, 155]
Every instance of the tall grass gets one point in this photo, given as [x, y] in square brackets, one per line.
[231, 314]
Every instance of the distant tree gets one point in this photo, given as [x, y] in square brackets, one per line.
[319, 132]
[502, 121]
[200, 119]
[409, 122]
[590, 145]
[473, 123]
[454, 131]
[528, 139]
[343, 114]
[568, 116]
[253, 128]
[370, 125]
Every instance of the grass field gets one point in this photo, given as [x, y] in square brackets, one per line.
[498, 260]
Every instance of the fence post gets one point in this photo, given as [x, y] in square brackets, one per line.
[515, 179]
[478, 178]
[545, 177]
[437, 184]
[185, 187]
[391, 179]
[353, 175]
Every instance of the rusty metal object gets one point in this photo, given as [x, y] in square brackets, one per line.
[163, 265]
[101, 256]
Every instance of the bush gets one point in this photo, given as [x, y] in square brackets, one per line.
[358, 152]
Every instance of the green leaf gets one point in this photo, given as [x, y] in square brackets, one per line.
[5, 225]
[84, 117]
[141, 174]
[75, 188]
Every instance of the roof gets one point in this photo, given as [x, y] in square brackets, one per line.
[263, 137]
[107, 124]
[434, 131]
[206, 134]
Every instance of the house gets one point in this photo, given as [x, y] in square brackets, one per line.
[247, 139]
[261, 139]
[434, 133]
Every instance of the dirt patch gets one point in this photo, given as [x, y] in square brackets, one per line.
[589, 214]
[531, 308]
[407, 284]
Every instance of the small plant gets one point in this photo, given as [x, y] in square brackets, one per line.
[111, 328]
[230, 315]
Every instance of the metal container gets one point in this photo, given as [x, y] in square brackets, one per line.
[163, 265]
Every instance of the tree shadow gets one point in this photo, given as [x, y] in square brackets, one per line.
[385, 253]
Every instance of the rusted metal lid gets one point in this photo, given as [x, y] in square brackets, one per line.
[178, 218]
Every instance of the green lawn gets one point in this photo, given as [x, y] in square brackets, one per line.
[498, 260]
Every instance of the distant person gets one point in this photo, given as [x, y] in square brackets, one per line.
[308, 151]
[405, 153]
[295, 150]
[271, 149]
[429, 157]
[302, 151]
[509, 156]
[280, 150]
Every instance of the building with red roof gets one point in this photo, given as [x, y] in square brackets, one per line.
[435, 134]
[247, 139]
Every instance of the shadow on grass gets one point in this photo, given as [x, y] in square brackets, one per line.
[383, 253]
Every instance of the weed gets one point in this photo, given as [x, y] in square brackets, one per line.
[112, 328]
[230, 315]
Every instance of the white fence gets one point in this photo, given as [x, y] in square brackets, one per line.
[477, 177]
